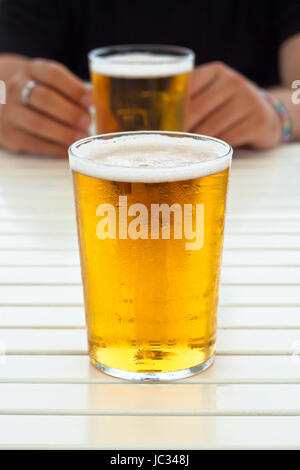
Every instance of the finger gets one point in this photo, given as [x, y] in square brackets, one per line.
[48, 101]
[52, 103]
[206, 102]
[241, 134]
[60, 78]
[42, 126]
[202, 77]
[206, 74]
[20, 141]
[223, 118]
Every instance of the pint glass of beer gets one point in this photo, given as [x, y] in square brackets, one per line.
[150, 213]
[140, 87]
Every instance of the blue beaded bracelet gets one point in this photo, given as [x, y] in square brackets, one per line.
[285, 119]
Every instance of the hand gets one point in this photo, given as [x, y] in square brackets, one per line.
[226, 105]
[57, 115]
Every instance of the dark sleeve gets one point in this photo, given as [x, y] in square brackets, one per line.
[31, 27]
[287, 19]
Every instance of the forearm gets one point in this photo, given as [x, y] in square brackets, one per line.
[10, 64]
[284, 94]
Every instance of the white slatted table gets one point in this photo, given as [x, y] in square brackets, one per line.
[51, 397]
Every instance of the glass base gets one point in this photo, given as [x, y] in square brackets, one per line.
[154, 377]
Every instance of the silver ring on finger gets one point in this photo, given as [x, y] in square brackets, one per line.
[27, 90]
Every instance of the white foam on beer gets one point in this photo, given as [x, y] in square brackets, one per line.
[141, 65]
[149, 158]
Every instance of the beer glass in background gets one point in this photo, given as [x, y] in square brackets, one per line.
[151, 288]
[141, 87]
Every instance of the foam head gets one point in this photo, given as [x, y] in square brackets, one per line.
[141, 64]
[149, 157]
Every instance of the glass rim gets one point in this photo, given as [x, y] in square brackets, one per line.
[81, 164]
[184, 53]
[112, 135]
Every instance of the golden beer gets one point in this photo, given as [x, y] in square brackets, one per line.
[140, 87]
[151, 297]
